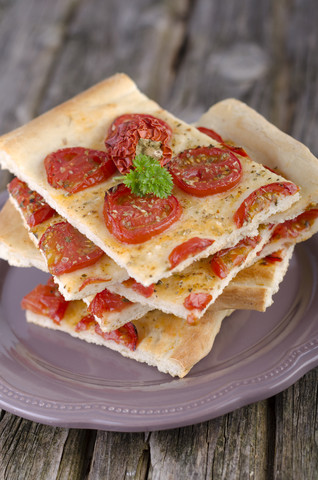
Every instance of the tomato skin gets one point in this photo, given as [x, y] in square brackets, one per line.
[77, 168]
[222, 261]
[294, 227]
[106, 301]
[132, 219]
[197, 301]
[139, 288]
[211, 133]
[205, 171]
[264, 195]
[190, 247]
[126, 335]
[272, 258]
[125, 133]
[66, 249]
[85, 323]
[46, 300]
[33, 206]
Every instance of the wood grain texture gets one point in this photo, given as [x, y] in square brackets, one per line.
[186, 54]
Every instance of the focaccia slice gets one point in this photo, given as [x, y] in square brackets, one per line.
[266, 144]
[239, 124]
[252, 288]
[170, 344]
[74, 285]
[84, 121]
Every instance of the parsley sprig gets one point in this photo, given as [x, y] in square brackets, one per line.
[148, 177]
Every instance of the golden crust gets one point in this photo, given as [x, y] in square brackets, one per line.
[173, 347]
[84, 121]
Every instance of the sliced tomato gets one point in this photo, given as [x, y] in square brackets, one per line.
[66, 249]
[77, 168]
[262, 198]
[139, 288]
[294, 227]
[85, 323]
[273, 258]
[125, 133]
[197, 301]
[46, 300]
[205, 171]
[223, 261]
[106, 301]
[33, 206]
[190, 247]
[90, 280]
[133, 219]
[126, 335]
[211, 133]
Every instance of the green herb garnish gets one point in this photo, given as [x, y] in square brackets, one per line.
[148, 177]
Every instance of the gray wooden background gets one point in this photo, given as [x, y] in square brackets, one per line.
[186, 55]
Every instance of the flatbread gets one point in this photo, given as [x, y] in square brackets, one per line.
[170, 344]
[73, 285]
[252, 288]
[84, 121]
[269, 146]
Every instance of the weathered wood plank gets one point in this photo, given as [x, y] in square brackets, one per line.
[140, 38]
[120, 456]
[31, 34]
[296, 453]
[230, 447]
[29, 450]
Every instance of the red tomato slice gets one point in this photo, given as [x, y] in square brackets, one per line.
[294, 227]
[190, 247]
[66, 249]
[106, 301]
[125, 133]
[126, 335]
[46, 300]
[260, 198]
[33, 206]
[197, 301]
[85, 323]
[139, 288]
[273, 258]
[223, 261]
[211, 133]
[133, 219]
[77, 168]
[205, 171]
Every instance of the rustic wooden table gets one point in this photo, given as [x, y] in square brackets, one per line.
[186, 55]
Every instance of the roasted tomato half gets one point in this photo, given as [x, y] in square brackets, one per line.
[139, 288]
[125, 133]
[294, 227]
[262, 198]
[211, 133]
[197, 301]
[46, 300]
[75, 169]
[190, 247]
[106, 301]
[126, 335]
[205, 171]
[66, 249]
[133, 219]
[223, 261]
[33, 206]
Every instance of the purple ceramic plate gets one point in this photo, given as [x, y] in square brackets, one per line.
[52, 378]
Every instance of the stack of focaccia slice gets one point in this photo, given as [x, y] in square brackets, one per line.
[147, 274]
